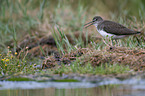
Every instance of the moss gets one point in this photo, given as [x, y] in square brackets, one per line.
[19, 79]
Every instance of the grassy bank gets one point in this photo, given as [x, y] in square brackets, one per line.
[46, 33]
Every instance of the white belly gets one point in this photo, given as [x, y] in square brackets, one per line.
[104, 34]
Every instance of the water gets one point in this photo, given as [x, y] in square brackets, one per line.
[106, 90]
[134, 86]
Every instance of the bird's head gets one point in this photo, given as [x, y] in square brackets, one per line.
[95, 21]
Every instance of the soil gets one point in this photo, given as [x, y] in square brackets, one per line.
[45, 47]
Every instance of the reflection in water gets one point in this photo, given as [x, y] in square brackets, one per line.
[106, 90]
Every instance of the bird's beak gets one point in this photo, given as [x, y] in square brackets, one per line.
[88, 24]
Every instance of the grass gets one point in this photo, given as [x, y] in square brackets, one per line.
[78, 68]
[21, 18]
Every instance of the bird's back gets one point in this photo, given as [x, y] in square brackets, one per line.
[115, 28]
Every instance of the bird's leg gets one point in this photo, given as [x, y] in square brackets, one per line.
[116, 42]
[138, 40]
[112, 41]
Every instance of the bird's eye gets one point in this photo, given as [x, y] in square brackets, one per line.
[94, 20]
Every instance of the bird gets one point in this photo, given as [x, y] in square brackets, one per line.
[111, 29]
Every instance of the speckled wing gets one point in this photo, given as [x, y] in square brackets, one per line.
[115, 28]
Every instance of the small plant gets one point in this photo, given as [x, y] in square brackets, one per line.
[10, 63]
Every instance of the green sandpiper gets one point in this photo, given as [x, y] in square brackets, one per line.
[111, 29]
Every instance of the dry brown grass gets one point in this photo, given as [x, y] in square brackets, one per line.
[135, 59]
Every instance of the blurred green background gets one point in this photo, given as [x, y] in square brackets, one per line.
[21, 17]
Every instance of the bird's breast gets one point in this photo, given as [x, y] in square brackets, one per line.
[113, 36]
[104, 34]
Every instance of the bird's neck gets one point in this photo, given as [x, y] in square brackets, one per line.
[97, 24]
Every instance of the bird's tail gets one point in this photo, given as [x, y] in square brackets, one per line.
[137, 32]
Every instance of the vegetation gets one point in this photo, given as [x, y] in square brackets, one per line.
[88, 69]
[33, 30]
